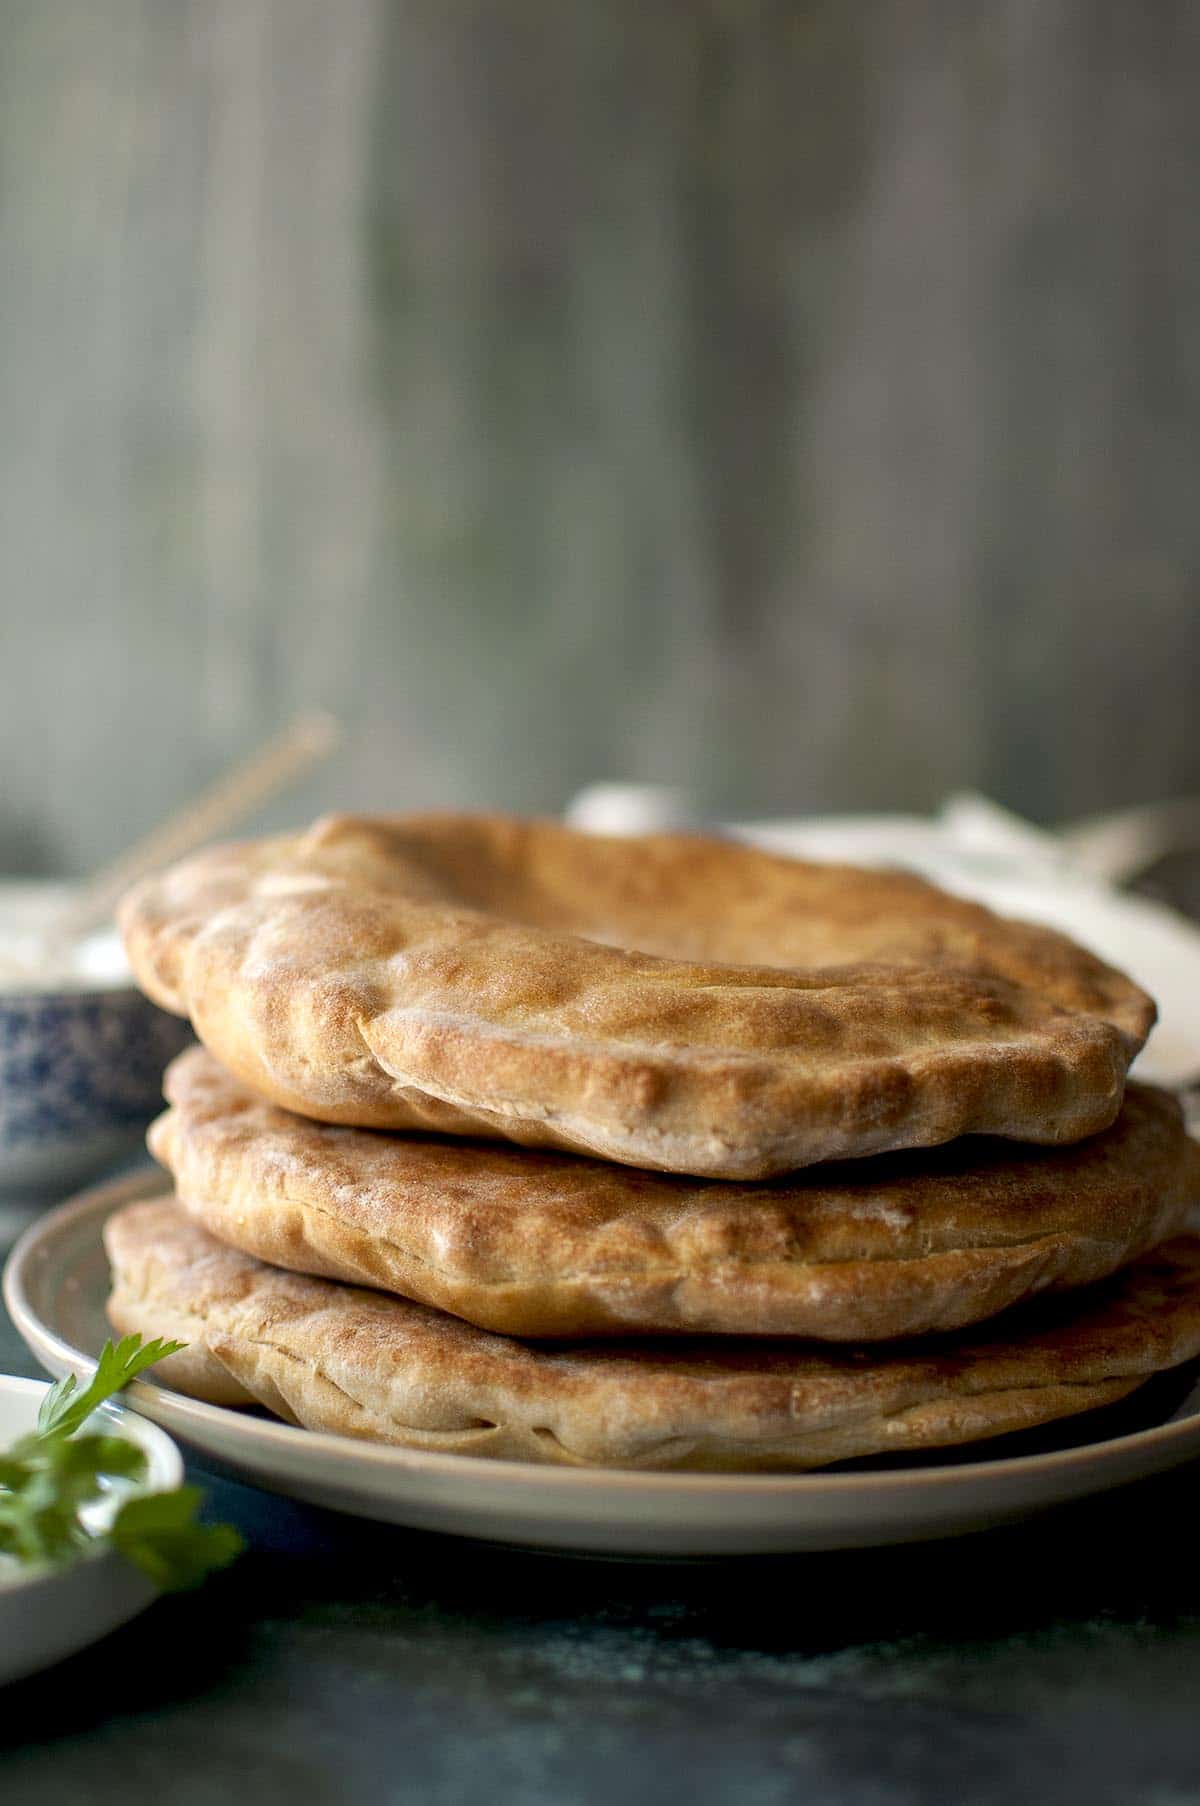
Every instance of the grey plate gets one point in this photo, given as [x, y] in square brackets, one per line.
[55, 1285]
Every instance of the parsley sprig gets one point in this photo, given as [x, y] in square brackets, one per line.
[50, 1477]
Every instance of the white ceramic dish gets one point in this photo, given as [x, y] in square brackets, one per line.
[46, 1616]
[55, 1285]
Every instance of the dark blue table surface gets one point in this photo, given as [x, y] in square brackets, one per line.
[343, 1660]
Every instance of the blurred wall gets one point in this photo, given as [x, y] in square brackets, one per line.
[797, 401]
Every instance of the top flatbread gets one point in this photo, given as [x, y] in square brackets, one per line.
[669, 1002]
[333, 1357]
[541, 1244]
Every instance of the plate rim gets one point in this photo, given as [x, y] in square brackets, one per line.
[99, 1201]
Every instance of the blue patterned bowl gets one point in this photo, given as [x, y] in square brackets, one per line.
[81, 1067]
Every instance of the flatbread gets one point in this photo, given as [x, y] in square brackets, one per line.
[669, 1002]
[541, 1244]
[362, 1364]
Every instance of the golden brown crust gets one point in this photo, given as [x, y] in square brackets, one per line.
[539, 1244]
[361, 1364]
[668, 1002]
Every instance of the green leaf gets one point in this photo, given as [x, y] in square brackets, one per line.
[48, 1478]
[65, 1408]
[79, 1468]
[14, 1473]
[160, 1535]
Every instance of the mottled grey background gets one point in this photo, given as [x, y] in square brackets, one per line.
[797, 401]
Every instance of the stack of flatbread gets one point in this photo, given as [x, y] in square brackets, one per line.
[661, 1153]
